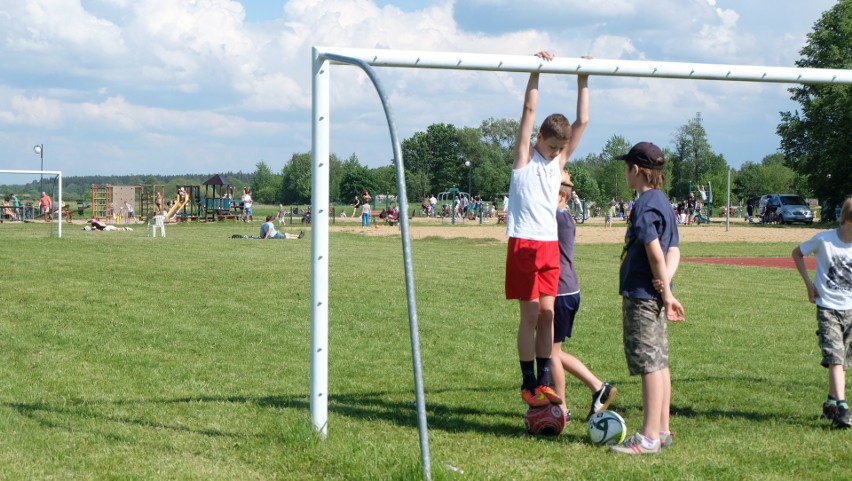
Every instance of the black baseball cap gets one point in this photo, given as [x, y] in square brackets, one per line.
[644, 154]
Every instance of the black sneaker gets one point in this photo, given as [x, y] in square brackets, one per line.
[842, 419]
[301, 234]
[829, 411]
[601, 399]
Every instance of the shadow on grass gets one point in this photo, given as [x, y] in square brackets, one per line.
[445, 417]
[61, 416]
[481, 417]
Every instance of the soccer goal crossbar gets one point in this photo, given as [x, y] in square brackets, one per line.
[366, 60]
[615, 68]
[58, 174]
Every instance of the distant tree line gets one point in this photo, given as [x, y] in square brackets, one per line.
[445, 156]
[80, 187]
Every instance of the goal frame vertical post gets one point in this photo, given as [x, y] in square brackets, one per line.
[319, 242]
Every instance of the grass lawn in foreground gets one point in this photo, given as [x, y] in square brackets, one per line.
[126, 357]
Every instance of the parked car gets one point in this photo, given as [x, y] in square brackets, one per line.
[785, 209]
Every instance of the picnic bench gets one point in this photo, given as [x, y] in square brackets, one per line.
[228, 214]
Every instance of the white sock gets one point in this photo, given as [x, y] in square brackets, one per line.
[647, 443]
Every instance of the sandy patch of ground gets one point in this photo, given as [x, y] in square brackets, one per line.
[593, 231]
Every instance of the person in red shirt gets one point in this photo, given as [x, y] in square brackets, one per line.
[44, 205]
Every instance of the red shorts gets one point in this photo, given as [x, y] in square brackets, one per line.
[532, 269]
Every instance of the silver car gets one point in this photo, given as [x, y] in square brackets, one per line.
[791, 208]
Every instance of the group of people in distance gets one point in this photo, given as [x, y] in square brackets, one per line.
[690, 208]
[11, 206]
[540, 274]
[12, 209]
[363, 202]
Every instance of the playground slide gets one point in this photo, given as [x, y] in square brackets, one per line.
[176, 207]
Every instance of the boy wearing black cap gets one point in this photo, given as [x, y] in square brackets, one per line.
[532, 258]
[648, 263]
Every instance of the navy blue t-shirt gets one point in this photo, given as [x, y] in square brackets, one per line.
[567, 232]
[652, 218]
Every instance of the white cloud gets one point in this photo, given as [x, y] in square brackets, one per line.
[153, 72]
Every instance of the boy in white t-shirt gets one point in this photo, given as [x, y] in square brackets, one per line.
[532, 258]
[831, 291]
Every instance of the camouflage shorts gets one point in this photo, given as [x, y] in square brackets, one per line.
[835, 336]
[646, 346]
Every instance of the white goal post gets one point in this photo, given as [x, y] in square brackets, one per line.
[58, 174]
[366, 59]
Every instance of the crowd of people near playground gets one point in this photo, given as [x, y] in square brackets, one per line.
[191, 202]
[13, 209]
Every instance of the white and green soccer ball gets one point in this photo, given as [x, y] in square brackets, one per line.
[607, 428]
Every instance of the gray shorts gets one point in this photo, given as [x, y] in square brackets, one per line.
[835, 336]
[646, 345]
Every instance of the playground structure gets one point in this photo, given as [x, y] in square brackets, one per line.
[219, 202]
[185, 207]
[147, 200]
[108, 201]
[446, 206]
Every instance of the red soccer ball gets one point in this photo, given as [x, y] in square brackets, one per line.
[545, 420]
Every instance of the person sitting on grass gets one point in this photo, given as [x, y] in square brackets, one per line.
[393, 215]
[267, 231]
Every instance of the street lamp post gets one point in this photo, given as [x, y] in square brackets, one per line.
[39, 149]
[467, 164]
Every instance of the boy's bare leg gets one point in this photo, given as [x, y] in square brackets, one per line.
[526, 330]
[557, 374]
[836, 381]
[544, 328]
[652, 400]
[577, 369]
[667, 401]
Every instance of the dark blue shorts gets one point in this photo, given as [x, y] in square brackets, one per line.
[564, 310]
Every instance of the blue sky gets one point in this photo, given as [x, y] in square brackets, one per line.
[205, 86]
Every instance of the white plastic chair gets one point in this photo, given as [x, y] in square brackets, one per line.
[157, 222]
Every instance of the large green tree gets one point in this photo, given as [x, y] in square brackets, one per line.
[385, 179]
[500, 134]
[265, 185]
[296, 179]
[355, 178]
[606, 170]
[489, 170]
[586, 186]
[437, 155]
[817, 139]
[769, 176]
[693, 163]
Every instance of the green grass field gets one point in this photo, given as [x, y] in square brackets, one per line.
[125, 357]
